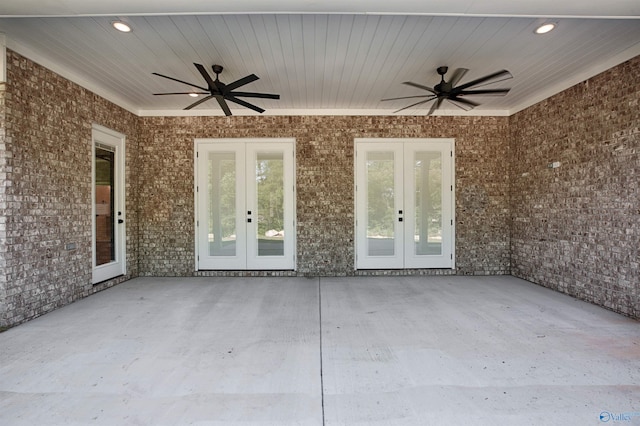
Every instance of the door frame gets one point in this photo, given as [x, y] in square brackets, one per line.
[248, 147]
[405, 146]
[107, 137]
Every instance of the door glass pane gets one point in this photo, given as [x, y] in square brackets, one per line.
[105, 231]
[428, 196]
[270, 203]
[222, 203]
[380, 204]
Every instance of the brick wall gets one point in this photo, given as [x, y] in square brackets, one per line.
[46, 170]
[576, 228]
[4, 182]
[324, 186]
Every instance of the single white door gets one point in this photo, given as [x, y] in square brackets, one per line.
[245, 204]
[404, 203]
[109, 248]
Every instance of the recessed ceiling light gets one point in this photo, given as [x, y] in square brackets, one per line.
[193, 95]
[545, 28]
[121, 26]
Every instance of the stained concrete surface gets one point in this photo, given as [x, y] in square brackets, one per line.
[333, 351]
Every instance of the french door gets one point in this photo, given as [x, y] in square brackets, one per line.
[245, 215]
[109, 247]
[404, 203]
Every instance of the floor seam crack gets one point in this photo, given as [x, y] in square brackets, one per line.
[320, 338]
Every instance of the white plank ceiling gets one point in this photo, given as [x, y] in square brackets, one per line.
[320, 61]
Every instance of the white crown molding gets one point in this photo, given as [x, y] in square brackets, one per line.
[315, 112]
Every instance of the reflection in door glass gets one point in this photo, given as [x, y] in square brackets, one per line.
[105, 237]
[380, 204]
[222, 203]
[428, 196]
[270, 203]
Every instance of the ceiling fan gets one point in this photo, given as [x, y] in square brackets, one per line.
[456, 94]
[220, 91]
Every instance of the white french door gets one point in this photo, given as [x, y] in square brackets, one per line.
[108, 192]
[404, 203]
[245, 215]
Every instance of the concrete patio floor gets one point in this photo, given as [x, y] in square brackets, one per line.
[323, 351]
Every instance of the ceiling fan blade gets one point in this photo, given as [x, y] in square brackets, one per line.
[207, 77]
[457, 76]
[199, 101]
[223, 105]
[488, 92]
[181, 93]
[245, 80]
[179, 81]
[487, 79]
[245, 104]
[416, 104]
[255, 95]
[420, 86]
[406, 97]
[467, 102]
[435, 106]
[463, 103]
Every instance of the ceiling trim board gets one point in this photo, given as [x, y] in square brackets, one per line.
[454, 15]
[320, 112]
[610, 9]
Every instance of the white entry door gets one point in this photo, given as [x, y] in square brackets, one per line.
[245, 215]
[109, 230]
[404, 203]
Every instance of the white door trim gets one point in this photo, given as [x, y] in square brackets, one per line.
[116, 140]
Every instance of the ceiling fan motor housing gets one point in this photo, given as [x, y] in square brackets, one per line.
[217, 69]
